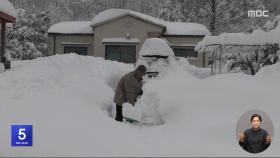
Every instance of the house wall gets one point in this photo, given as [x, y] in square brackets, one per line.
[56, 41]
[137, 28]
[190, 41]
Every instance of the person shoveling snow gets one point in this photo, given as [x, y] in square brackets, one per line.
[128, 89]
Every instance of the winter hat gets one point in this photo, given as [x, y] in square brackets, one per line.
[141, 68]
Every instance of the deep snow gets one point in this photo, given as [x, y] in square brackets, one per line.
[67, 99]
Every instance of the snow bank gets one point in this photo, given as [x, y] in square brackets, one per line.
[195, 71]
[205, 112]
[270, 73]
[7, 8]
[72, 27]
[146, 110]
[62, 96]
[56, 94]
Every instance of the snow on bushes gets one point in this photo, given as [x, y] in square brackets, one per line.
[27, 38]
[244, 52]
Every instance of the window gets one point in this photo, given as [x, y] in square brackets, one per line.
[121, 53]
[185, 52]
[76, 49]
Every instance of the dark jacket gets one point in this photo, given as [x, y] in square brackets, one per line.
[254, 140]
[128, 89]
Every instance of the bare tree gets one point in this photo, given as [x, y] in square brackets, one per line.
[218, 13]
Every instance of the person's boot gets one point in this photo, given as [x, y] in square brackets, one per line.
[119, 116]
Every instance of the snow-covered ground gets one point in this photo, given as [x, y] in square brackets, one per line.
[67, 99]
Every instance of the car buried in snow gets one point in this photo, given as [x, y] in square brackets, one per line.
[155, 54]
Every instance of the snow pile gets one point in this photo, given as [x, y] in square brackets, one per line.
[7, 8]
[63, 96]
[146, 110]
[72, 27]
[186, 103]
[271, 73]
[56, 94]
[195, 71]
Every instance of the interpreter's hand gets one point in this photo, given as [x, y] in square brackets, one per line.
[268, 139]
[241, 137]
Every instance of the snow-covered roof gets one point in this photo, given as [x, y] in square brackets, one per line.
[120, 40]
[72, 27]
[172, 28]
[258, 37]
[111, 14]
[84, 27]
[7, 8]
[155, 46]
[184, 28]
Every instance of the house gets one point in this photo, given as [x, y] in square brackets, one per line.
[7, 15]
[118, 34]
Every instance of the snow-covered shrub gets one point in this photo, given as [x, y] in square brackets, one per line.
[270, 25]
[269, 54]
[27, 39]
[250, 60]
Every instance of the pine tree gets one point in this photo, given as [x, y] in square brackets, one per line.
[27, 39]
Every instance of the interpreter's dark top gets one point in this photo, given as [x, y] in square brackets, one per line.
[255, 140]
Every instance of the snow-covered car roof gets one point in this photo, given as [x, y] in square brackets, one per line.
[8, 10]
[155, 47]
[71, 27]
[172, 28]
